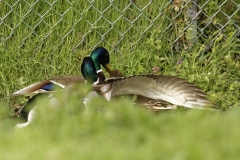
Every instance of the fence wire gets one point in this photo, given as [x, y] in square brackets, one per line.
[180, 23]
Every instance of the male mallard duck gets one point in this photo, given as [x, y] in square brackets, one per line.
[100, 56]
[171, 89]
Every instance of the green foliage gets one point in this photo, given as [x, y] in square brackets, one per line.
[120, 130]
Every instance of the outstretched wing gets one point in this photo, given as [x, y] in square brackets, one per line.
[171, 89]
[33, 88]
[49, 85]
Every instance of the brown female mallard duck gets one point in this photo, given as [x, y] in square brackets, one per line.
[172, 89]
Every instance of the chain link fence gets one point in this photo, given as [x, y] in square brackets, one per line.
[179, 23]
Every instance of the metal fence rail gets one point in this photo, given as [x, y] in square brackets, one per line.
[180, 23]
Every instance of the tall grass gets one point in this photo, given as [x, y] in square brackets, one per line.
[120, 130]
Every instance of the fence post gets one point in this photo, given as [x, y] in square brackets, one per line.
[192, 30]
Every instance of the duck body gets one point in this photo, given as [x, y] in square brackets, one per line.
[46, 87]
[170, 89]
[100, 57]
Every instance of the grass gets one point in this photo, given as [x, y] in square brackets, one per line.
[53, 41]
[122, 131]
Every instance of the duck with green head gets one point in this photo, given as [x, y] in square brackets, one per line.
[170, 89]
[100, 56]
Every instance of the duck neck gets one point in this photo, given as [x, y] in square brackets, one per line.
[101, 77]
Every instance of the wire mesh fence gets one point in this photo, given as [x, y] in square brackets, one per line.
[178, 23]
